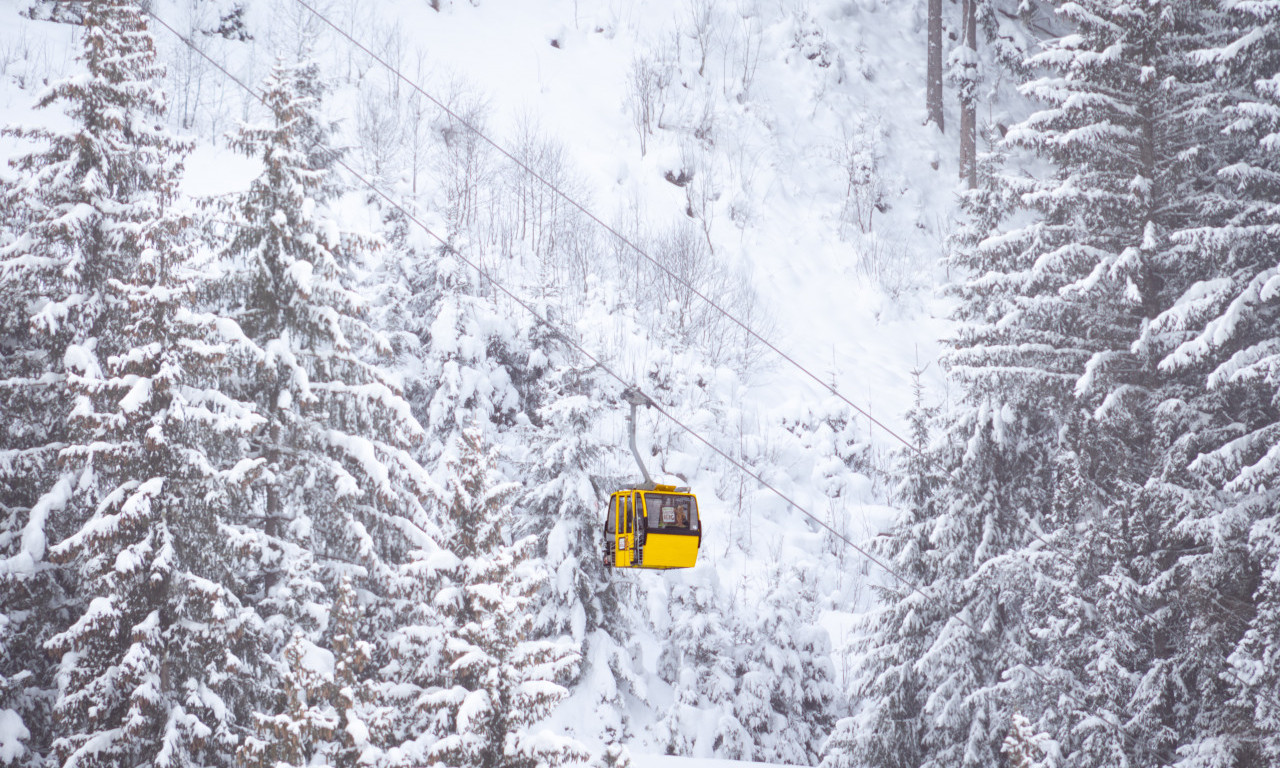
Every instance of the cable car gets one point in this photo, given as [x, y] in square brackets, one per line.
[650, 525]
[654, 527]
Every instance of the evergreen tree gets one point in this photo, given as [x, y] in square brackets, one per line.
[1068, 424]
[411, 663]
[155, 562]
[786, 693]
[1140, 128]
[300, 731]
[561, 509]
[329, 714]
[469, 353]
[1024, 748]
[979, 638]
[889, 726]
[501, 683]
[336, 486]
[956, 634]
[699, 662]
[155, 646]
[1221, 335]
[464, 364]
[73, 210]
[362, 717]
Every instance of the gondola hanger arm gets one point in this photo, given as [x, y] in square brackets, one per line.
[635, 398]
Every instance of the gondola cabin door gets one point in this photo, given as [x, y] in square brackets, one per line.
[652, 528]
[623, 519]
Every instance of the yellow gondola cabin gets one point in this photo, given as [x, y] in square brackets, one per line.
[650, 525]
[652, 528]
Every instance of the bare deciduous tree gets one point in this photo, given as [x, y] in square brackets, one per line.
[417, 133]
[859, 157]
[379, 131]
[701, 191]
[891, 264]
[464, 161]
[702, 30]
[750, 39]
[535, 219]
[644, 86]
[668, 295]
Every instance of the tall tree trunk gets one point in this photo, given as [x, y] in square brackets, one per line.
[968, 98]
[933, 71]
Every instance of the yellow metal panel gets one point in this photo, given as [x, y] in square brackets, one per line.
[622, 554]
[624, 538]
[669, 551]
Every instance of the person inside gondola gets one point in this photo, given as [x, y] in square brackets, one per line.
[682, 514]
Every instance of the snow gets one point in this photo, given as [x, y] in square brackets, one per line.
[315, 659]
[475, 705]
[828, 319]
[34, 540]
[668, 761]
[213, 170]
[12, 735]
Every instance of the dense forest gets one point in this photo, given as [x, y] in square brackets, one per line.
[277, 489]
[1090, 534]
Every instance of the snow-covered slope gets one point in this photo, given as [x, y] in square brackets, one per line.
[853, 307]
[669, 761]
[845, 303]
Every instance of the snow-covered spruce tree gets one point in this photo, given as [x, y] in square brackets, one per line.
[300, 731]
[330, 716]
[156, 561]
[335, 488]
[465, 359]
[1134, 130]
[1024, 748]
[561, 506]
[1222, 331]
[333, 474]
[960, 541]
[69, 210]
[500, 682]
[410, 659]
[786, 691]
[152, 646]
[561, 509]
[888, 727]
[1063, 410]
[461, 360]
[410, 662]
[363, 717]
[698, 659]
[976, 622]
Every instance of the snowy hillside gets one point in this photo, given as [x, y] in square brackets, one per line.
[319, 322]
[667, 761]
